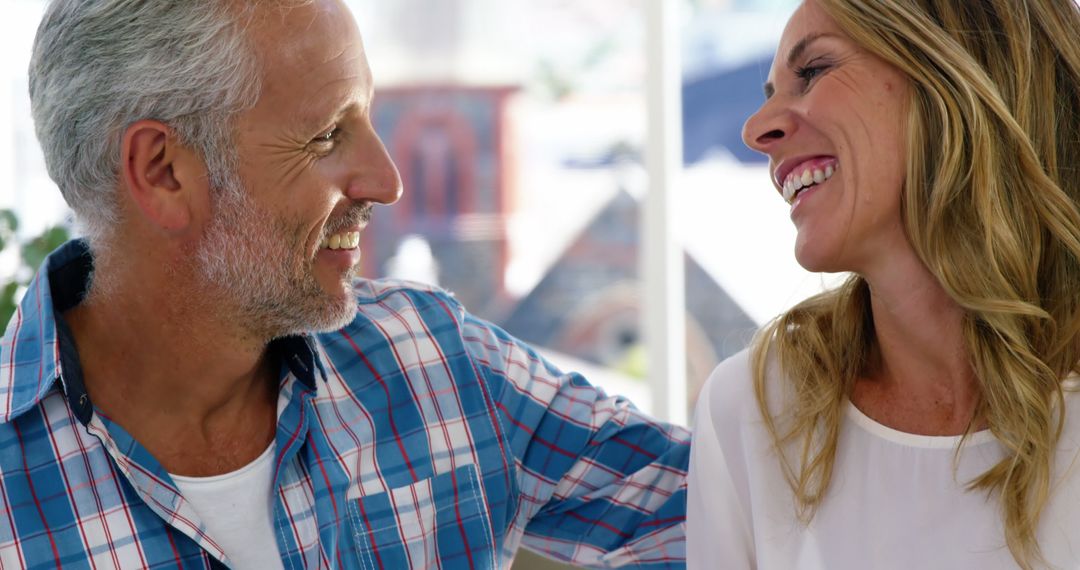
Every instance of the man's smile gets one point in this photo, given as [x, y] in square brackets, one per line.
[348, 239]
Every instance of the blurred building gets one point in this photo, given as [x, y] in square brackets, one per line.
[451, 147]
[588, 304]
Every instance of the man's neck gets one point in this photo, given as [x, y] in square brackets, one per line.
[182, 379]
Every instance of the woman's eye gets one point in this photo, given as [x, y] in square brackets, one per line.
[808, 73]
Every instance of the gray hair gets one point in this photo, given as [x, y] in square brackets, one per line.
[99, 66]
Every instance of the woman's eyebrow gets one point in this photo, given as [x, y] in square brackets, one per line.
[795, 53]
[800, 46]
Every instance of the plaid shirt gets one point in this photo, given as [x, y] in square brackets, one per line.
[416, 437]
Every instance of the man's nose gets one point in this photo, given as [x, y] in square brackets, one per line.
[375, 178]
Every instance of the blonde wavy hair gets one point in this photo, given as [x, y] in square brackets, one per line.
[990, 204]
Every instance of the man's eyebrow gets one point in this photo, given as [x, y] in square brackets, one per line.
[795, 53]
[334, 111]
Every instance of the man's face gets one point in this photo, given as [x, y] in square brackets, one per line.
[282, 244]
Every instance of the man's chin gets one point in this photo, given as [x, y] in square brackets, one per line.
[316, 311]
[336, 319]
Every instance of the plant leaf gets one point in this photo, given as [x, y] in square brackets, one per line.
[7, 302]
[11, 221]
[36, 250]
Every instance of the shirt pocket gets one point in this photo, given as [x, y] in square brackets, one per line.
[439, 522]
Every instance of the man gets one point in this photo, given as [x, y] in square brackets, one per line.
[202, 383]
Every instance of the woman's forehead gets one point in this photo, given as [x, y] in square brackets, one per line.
[808, 22]
[808, 18]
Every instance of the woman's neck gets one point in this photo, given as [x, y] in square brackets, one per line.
[920, 379]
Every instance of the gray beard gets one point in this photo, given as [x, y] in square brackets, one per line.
[258, 274]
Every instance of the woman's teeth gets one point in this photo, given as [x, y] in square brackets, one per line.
[343, 240]
[797, 180]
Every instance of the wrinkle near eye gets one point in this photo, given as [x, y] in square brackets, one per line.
[288, 159]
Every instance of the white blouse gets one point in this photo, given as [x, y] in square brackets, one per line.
[896, 501]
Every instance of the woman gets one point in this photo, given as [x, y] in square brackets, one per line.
[922, 415]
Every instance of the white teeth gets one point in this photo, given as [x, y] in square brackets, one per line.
[789, 191]
[809, 177]
[343, 240]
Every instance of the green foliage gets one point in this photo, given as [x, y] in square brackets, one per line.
[31, 255]
[8, 224]
[634, 362]
[7, 301]
[36, 250]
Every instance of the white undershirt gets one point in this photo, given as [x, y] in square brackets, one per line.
[237, 509]
[897, 500]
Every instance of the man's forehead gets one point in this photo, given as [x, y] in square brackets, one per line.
[297, 44]
[300, 28]
[312, 63]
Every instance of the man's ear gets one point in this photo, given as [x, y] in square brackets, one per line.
[154, 172]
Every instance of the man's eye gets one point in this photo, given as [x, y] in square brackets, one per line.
[329, 137]
[325, 143]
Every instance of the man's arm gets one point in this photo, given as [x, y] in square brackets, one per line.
[601, 484]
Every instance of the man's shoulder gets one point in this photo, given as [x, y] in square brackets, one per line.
[393, 304]
[406, 329]
[374, 291]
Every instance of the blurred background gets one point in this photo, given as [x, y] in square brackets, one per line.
[519, 129]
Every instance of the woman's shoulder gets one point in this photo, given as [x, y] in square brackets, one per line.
[730, 389]
[732, 380]
[1070, 436]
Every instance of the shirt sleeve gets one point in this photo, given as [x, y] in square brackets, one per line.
[718, 531]
[601, 484]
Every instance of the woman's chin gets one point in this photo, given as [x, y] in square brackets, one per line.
[813, 259]
[815, 262]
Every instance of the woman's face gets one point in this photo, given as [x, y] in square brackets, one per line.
[833, 128]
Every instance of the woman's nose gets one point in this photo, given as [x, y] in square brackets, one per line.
[768, 126]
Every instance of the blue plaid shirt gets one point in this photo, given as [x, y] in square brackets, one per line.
[416, 437]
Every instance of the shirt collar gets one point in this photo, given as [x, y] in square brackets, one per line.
[301, 355]
[38, 348]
